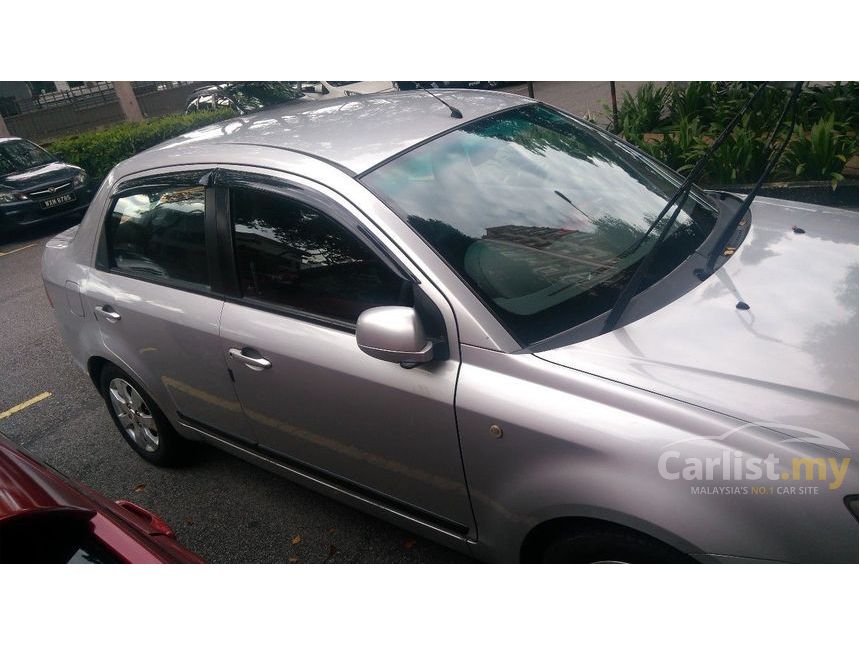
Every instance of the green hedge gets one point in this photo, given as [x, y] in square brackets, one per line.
[98, 152]
[677, 123]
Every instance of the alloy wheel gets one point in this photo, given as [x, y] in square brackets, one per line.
[134, 415]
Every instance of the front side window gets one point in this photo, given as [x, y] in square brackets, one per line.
[158, 234]
[545, 217]
[291, 255]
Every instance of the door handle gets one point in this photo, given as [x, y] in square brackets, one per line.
[109, 314]
[256, 363]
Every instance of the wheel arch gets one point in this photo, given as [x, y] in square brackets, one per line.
[543, 534]
[95, 365]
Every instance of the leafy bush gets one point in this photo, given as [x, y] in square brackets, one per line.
[729, 98]
[98, 152]
[693, 100]
[741, 157]
[821, 154]
[643, 112]
[839, 99]
[825, 138]
[679, 147]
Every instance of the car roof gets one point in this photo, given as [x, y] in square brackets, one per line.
[354, 133]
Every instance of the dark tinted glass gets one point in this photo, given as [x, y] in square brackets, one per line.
[159, 234]
[289, 254]
[51, 538]
[545, 217]
[20, 155]
[92, 552]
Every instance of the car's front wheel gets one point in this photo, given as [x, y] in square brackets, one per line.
[140, 421]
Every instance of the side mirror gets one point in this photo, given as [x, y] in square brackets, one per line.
[393, 334]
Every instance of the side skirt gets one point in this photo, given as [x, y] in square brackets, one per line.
[449, 534]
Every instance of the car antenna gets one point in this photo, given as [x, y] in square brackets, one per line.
[454, 111]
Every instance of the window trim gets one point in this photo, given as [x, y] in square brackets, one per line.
[182, 178]
[325, 206]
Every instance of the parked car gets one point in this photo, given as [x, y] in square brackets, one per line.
[35, 186]
[472, 85]
[47, 518]
[243, 98]
[337, 89]
[403, 304]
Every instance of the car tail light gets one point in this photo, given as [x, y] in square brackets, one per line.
[156, 525]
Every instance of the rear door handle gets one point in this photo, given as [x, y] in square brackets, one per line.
[256, 363]
[109, 314]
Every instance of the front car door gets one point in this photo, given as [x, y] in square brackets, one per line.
[305, 269]
[154, 295]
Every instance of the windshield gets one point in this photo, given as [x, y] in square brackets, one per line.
[341, 83]
[257, 96]
[20, 155]
[543, 216]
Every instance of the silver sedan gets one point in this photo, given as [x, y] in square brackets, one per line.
[401, 301]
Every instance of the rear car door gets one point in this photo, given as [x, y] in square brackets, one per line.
[305, 269]
[154, 295]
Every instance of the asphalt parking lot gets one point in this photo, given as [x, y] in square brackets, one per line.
[221, 507]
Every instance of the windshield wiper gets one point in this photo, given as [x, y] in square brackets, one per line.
[631, 288]
[720, 246]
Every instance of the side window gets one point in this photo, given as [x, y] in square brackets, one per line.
[159, 234]
[290, 254]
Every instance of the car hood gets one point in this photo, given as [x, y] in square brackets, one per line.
[787, 362]
[33, 178]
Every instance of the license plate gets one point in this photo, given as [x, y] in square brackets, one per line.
[56, 201]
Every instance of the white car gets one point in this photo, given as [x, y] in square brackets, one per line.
[337, 89]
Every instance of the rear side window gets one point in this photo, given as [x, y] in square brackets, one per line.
[158, 234]
[291, 255]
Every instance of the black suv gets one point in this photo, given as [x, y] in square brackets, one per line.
[35, 186]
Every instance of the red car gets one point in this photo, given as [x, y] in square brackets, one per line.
[47, 518]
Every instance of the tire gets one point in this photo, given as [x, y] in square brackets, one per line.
[605, 545]
[139, 420]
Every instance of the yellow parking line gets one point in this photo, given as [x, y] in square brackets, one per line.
[26, 404]
[20, 248]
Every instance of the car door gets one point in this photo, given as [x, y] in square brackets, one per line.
[305, 269]
[154, 293]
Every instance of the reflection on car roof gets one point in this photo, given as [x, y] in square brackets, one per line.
[355, 132]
